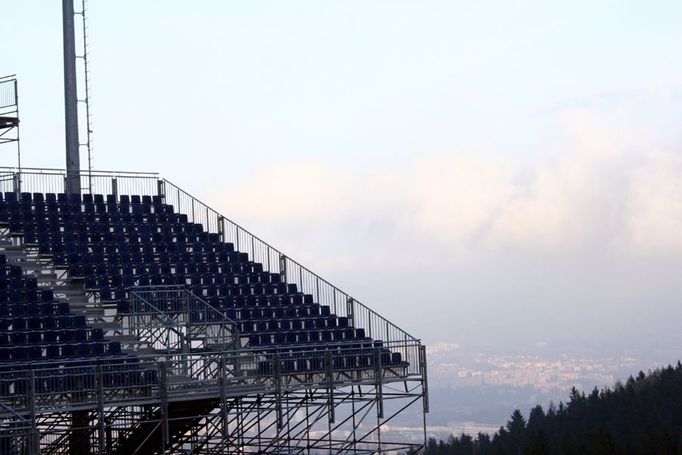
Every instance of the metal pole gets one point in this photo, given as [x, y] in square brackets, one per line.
[329, 366]
[100, 409]
[223, 397]
[278, 392]
[73, 184]
[165, 435]
[34, 438]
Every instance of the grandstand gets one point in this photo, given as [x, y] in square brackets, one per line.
[134, 319]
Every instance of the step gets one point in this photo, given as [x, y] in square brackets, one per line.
[12, 254]
[12, 247]
[105, 325]
[125, 339]
[24, 261]
[143, 351]
[46, 277]
[68, 289]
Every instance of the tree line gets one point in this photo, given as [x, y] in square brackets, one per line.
[641, 416]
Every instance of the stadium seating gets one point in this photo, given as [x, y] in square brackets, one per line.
[111, 245]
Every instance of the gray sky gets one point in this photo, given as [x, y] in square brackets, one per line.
[491, 174]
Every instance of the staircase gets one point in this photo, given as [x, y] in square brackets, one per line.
[147, 437]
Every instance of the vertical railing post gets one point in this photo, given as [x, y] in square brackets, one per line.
[283, 267]
[369, 325]
[16, 182]
[114, 187]
[423, 371]
[317, 289]
[300, 280]
[221, 228]
[350, 311]
[161, 190]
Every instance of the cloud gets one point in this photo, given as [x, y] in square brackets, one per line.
[654, 204]
[602, 189]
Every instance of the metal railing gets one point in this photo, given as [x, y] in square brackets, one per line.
[272, 259]
[46, 386]
[173, 319]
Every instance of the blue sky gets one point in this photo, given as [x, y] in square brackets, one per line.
[515, 166]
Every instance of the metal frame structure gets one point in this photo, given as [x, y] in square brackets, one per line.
[9, 113]
[198, 387]
[173, 319]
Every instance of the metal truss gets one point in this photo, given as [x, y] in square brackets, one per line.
[351, 419]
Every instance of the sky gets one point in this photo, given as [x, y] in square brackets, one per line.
[498, 175]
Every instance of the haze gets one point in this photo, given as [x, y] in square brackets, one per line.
[498, 175]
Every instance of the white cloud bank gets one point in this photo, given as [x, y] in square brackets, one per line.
[602, 189]
[573, 247]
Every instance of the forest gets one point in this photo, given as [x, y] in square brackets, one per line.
[641, 416]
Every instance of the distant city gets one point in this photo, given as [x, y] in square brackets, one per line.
[529, 370]
[473, 392]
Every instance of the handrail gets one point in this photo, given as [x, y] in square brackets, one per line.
[274, 250]
[11, 411]
[47, 170]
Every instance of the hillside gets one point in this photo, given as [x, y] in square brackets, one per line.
[641, 416]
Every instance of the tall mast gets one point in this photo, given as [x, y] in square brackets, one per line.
[72, 184]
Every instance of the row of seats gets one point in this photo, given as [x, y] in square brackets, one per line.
[14, 307]
[129, 264]
[291, 337]
[46, 219]
[32, 199]
[63, 321]
[122, 371]
[114, 240]
[58, 351]
[362, 359]
[91, 208]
